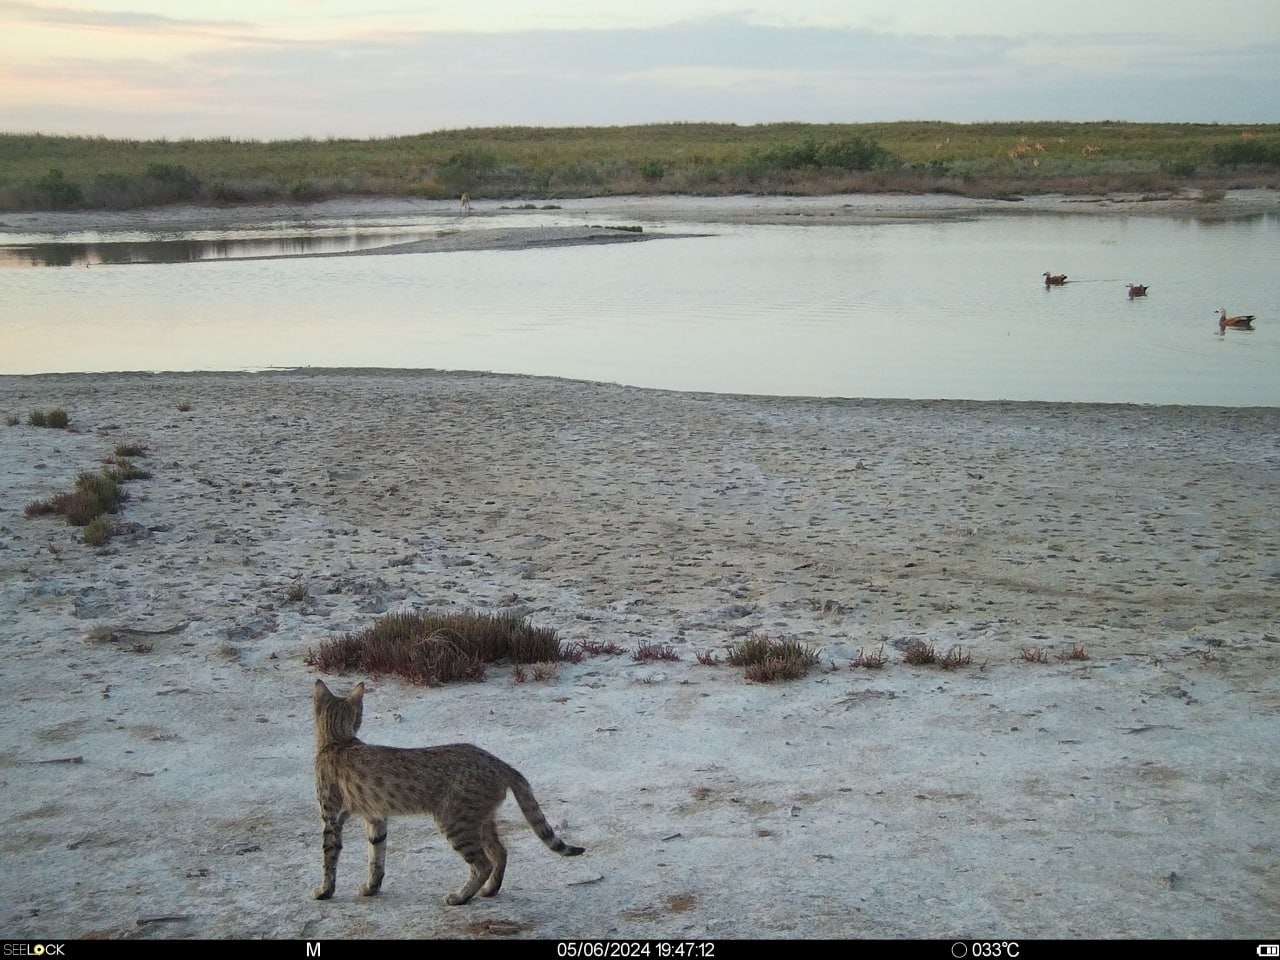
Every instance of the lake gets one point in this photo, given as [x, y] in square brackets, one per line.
[954, 309]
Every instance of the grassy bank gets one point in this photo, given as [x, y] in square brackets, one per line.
[995, 159]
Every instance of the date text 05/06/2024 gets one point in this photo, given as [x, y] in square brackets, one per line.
[645, 949]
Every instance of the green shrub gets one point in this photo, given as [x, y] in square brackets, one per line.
[98, 531]
[55, 192]
[652, 171]
[179, 182]
[855, 153]
[765, 659]
[1238, 153]
[55, 419]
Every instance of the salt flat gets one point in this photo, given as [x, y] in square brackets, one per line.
[156, 759]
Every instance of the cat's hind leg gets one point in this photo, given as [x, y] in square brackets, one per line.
[469, 846]
[497, 855]
[376, 831]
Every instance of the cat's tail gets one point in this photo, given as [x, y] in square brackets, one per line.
[533, 813]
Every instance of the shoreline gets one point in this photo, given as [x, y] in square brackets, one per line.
[469, 232]
[357, 373]
[1116, 796]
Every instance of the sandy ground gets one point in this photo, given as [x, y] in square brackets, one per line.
[597, 219]
[155, 763]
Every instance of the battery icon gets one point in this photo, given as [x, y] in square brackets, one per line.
[1269, 949]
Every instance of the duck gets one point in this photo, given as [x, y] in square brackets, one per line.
[1137, 290]
[1054, 279]
[1242, 322]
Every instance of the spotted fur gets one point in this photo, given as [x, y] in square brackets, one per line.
[460, 785]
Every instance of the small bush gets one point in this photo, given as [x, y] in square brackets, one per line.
[98, 531]
[54, 191]
[177, 182]
[123, 470]
[1074, 652]
[765, 659]
[1256, 153]
[654, 651]
[10, 420]
[592, 648]
[130, 450]
[544, 672]
[438, 648]
[955, 657]
[303, 190]
[55, 419]
[1034, 654]
[101, 491]
[652, 171]
[708, 658]
[920, 654]
[870, 661]
[94, 496]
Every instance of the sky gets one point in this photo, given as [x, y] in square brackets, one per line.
[280, 69]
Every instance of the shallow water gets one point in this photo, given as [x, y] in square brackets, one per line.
[924, 310]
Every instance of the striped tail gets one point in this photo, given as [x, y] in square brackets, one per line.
[533, 813]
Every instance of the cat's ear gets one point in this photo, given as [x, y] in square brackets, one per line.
[320, 691]
[357, 693]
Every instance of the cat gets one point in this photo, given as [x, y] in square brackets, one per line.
[460, 785]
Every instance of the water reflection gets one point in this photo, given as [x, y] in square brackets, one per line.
[186, 250]
[952, 309]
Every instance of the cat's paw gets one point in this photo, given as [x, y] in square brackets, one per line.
[368, 891]
[322, 893]
[454, 900]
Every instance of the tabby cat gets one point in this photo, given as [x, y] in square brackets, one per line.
[460, 785]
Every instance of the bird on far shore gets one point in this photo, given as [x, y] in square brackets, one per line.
[1137, 290]
[1242, 322]
[1054, 279]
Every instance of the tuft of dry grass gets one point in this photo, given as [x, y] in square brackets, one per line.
[708, 658]
[920, 654]
[594, 648]
[870, 661]
[765, 660]
[123, 470]
[544, 672]
[1034, 654]
[434, 649]
[1074, 652]
[955, 657]
[654, 651]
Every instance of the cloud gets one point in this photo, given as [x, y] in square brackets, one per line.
[108, 19]
[722, 69]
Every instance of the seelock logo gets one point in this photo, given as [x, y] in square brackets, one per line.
[35, 949]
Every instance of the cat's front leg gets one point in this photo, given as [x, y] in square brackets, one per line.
[332, 847]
